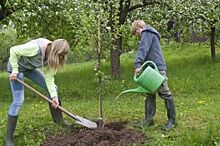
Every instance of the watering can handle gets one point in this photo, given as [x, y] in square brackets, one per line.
[143, 65]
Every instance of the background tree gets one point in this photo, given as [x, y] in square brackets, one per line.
[50, 19]
[45, 18]
[197, 15]
[189, 16]
[208, 17]
[75, 21]
[118, 11]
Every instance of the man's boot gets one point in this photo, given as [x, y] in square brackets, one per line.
[150, 108]
[12, 122]
[171, 114]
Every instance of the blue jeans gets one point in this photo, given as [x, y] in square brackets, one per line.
[18, 89]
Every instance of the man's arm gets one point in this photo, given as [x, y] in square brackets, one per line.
[143, 48]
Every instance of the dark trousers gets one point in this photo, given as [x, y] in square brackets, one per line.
[164, 93]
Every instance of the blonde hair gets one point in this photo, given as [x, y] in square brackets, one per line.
[58, 53]
[136, 25]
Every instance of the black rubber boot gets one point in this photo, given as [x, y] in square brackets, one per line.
[150, 108]
[12, 122]
[171, 114]
[56, 114]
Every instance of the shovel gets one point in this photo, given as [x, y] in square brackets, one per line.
[80, 120]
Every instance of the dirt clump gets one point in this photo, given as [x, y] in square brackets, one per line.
[112, 134]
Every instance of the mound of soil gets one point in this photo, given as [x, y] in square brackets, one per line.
[112, 134]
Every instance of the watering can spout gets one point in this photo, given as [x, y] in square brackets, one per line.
[139, 89]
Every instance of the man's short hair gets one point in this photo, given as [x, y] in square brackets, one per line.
[136, 25]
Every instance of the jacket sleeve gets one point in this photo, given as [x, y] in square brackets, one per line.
[50, 82]
[143, 48]
[29, 49]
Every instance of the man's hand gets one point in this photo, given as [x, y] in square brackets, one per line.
[55, 102]
[13, 76]
[137, 71]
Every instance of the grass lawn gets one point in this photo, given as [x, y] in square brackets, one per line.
[193, 78]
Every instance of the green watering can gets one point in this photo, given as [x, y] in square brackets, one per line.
[149, 80]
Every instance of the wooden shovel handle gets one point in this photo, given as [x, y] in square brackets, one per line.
[48, 100]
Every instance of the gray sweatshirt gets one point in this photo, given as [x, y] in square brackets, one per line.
[149, 49]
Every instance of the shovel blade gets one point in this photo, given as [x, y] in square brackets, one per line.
[85, 122]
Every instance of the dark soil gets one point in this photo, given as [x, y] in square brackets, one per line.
[112, 134]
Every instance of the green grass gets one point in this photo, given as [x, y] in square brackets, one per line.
[193, 79]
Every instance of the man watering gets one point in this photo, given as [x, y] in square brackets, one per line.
[149, 50]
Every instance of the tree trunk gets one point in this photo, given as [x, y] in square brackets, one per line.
[116, 52]
[115, 57]
[212, 43]
[98, 66]
[117, 41]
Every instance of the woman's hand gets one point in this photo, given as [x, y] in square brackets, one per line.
[55, 102]
[13, 76]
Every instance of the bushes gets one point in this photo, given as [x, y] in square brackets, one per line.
[8, 38]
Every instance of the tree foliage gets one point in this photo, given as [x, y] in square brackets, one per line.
[76, 21]
[47, 18]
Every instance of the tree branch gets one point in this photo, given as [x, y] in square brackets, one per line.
[123, 10]
[4, 12]
[145, 3]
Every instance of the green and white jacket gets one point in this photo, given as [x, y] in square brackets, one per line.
[30, 56]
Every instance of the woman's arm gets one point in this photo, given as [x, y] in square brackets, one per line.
[50, 82]
[49, 79]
